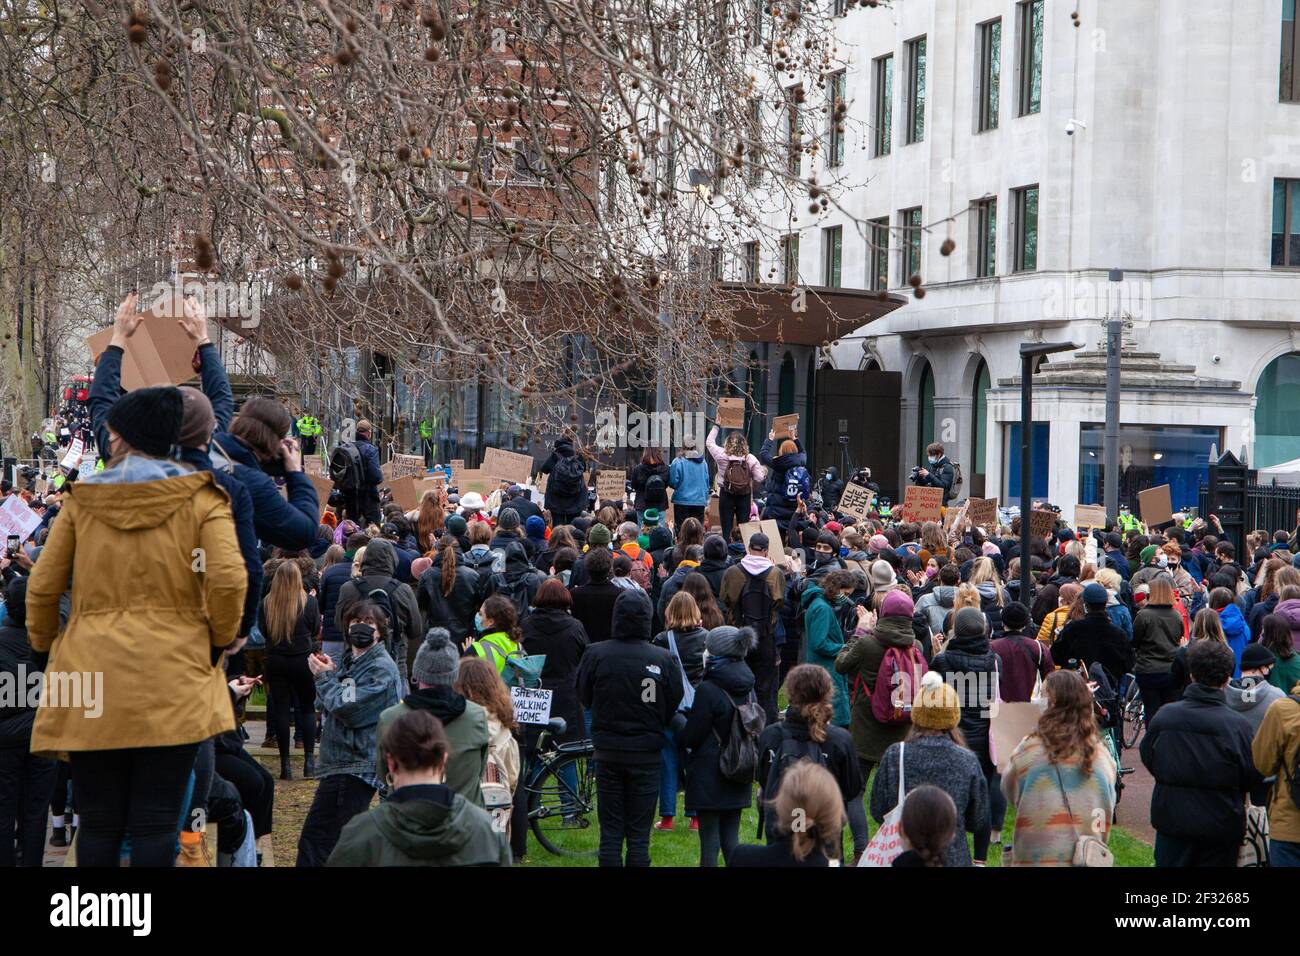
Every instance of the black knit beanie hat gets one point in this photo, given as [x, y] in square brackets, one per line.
[149, 419]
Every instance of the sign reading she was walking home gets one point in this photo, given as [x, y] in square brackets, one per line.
[532, 704]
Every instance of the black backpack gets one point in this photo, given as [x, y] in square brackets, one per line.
[754, 609]
[566, 477]
[346, 467]
[655, 494]
[738, 753]
[789, 753]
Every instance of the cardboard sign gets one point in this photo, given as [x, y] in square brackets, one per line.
[1009, 724]
[611, 484]
[1041, 523]
[982, 512]
[158, 353]
[1089, 516]
[473, 480]
[955, 519]
[731, 413]
[540, 485]
[922, 503]
[42, 486]
[712, 517]
[17, 518]
[73, 458]
[457, 465]
[532, 704]
[403, 492]
[87, 467]
[314, 465]
[386, 469]
[436, 483]
[407, 465]
[1155, 507]
[775, 552]
[786, 426]
[856, 501]
[507, 465]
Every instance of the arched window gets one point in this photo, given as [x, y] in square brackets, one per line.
[925, 413]
[870, 365]
[785, 401]
[1277, 413]
[979, 426]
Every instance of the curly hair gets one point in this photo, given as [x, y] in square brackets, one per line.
[811, 694]
[1068, 727]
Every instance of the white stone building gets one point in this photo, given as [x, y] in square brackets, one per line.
[1155, 138]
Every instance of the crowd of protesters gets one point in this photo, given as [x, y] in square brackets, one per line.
[849, 670]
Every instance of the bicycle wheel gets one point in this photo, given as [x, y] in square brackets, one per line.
[562, 807]
[1134, 718]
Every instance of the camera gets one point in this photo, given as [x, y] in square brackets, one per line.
[844, 439]
[916, 473]
[1073, 125]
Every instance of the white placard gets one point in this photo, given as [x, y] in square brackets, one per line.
[73, 458]
[17, 518]
[532, 705]
[87, 467]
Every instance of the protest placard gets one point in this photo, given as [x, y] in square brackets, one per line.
[1089, 516]
[712, 516]
[17, 519]
[323, 488]
[532, 704]
[956, 518]
[403, 492]
[1041, 523]
[73, 458]
[856, 501]
[983, 512]
[785, 426]
[922, 503]
[159, 352]
[313, 465]
[611, 484]
[473, 480]
[457, 466]
[731, 413]
[407, 465]
[775, 552]
[87, 466]
[1090, 550]
[1155, 507]
[507, 465]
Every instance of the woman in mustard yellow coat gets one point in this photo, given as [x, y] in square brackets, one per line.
[148, 550]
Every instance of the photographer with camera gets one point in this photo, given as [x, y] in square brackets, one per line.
[940, 473]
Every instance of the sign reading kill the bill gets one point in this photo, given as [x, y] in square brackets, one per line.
[856, 501]
[509, 466]
[922, 503]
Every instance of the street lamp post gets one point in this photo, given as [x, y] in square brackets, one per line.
[1030, 355]
[1114, 332]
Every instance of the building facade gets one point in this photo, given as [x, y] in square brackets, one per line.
[1148, 139]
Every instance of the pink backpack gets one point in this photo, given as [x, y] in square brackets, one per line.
[897, 682]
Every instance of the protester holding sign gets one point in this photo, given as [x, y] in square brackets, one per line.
[739, 476]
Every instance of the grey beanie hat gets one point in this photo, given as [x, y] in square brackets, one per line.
[508, 520]
[969, 621]
[731, 642]
[437, 662]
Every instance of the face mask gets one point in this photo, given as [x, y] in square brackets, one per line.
[478, 622]
[844, 551]
[361, 635]
[1162, 561]
[824, 558]
[931, 572]
[934, 461]
[828, 476]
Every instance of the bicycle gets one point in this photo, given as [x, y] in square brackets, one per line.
[561, 788]
[1134, 714]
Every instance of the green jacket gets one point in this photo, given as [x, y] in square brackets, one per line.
[823, 640]
[862, 658]
[467, 732]
[422, 826]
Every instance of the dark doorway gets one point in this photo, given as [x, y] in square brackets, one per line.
[866, 406]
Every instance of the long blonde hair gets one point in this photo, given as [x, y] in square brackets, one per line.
[1206, 626]
[735, 445]
[983, 571]
[283, 603]
[809, 794]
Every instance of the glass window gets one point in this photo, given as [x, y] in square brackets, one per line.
[1038, 464]
[1030, 58]
[925, 414]
[986, 238]
[1277, 413]
[910, 220]
[878, 236]
[794, 134]
[785, 386]
[989, 89]
[835, 122]
[1149, 456]
[754, 169]
[832, 256]
[915, 107]
[790, 260]
[1286, 228]
[882, 113]
[1026, 232]
[979, 416]
[1290, 89]
[749, 263]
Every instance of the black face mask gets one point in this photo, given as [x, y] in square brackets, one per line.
[361, 635]
[823, 558]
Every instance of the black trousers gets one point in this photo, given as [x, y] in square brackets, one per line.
[339, 798]
[626, 795]
[732, 510]
[682, 512]
[255, 784]
[137, 791]
[26, 784]
[292, 684]
[563, 517]
[765, 663]
[1179, 853]
[226, 810]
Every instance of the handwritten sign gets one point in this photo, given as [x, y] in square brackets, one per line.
[856, 501]
[532, 704]
[1155, 507]
[983, 512]
[922, 503]
[775, 552]
[86, 468]
[786, 426]
[457, 465]
[313, 465]
[403, 492]
[955, 519]
[1090, 550]
[407, 465]
[17, 518]
[611, 485]
[1042, 523]
[507, 465]
[731, 413]
[73, 458]
[1089, 516]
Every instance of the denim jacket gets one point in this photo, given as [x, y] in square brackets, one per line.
[352, 697]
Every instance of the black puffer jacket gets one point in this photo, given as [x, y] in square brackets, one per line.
[726, 684]
[454, 611]
[1199, 752]
[640, 475]
[969, 665]
[556, 502]
[626, 727]
[561, 637]
[519, 581]
[1094, 640]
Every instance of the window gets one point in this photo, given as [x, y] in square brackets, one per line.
[988, 87]
[668, 150]
[1025, 245]
[754, 169]
[529, 166]
[980, 428]
[715, 263]
[910, 222]
[986, 237]
[487, 155]
[1290, 92]
[835, 152]
[1029, 57]
[839, 7]
[1286, 228]
[925, 414]
[914, 109]
[882, 111]
[719, 145]
[790, 260]
[832, 256]
[758, 26]
[793, 134]
[878, 235]
[749, 263]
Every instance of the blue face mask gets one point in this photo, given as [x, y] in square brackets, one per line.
[933, 460]
[844, 551]
[478, 622]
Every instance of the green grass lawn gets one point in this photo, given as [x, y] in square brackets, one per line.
[682, 847]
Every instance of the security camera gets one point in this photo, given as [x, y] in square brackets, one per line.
[1074, 124]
